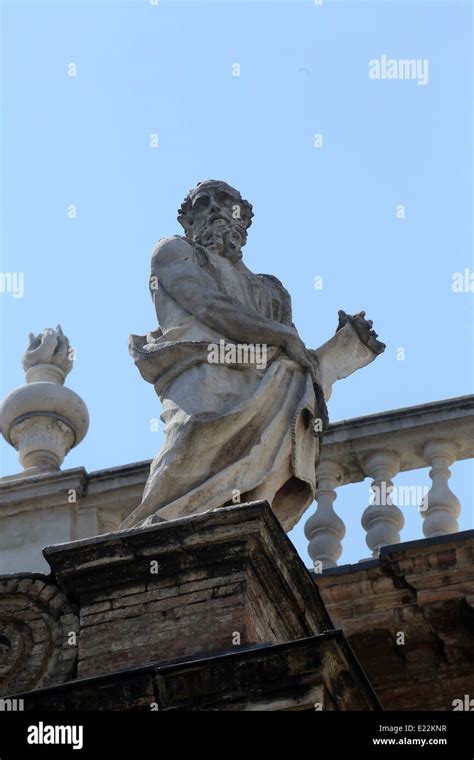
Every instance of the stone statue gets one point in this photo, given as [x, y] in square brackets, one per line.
[244, 400]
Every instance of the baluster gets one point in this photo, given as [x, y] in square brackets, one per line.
[325, 530]
[382, 519]
[443, 506]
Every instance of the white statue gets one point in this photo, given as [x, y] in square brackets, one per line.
[243, 398]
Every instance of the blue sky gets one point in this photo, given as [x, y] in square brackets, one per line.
[166, 69]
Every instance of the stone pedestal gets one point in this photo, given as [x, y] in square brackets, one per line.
[199, 584]
[213, 611]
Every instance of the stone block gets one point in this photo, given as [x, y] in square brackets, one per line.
[199, 584]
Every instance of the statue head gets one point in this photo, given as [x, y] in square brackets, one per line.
[215, 215]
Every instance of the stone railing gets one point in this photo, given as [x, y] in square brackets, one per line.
[380, 446]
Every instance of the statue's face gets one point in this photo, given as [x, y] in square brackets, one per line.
[217, 222]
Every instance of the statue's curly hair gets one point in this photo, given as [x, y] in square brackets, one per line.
[185, 212]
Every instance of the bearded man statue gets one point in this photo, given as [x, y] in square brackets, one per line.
[237, 429]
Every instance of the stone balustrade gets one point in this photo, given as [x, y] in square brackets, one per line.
[380, 446]
[39, 508]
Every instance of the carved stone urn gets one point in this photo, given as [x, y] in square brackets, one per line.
[43, 420]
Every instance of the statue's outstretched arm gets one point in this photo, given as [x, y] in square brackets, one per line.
[353, 346]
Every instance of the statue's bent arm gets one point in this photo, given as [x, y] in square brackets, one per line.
[354, 346]
[173, 264]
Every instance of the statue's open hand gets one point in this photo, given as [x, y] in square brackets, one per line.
[363, 328]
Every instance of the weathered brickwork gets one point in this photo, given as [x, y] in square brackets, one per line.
[410, 619]
[214, 581]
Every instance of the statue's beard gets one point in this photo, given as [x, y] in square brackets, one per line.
[221, 239]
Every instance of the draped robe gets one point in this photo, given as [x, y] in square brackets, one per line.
[233, 432]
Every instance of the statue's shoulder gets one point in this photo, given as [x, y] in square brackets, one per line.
[278, 289]
[270, 278]
[168, 250]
